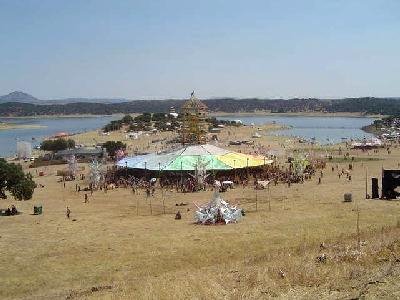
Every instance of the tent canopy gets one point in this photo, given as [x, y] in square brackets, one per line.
[190, 158]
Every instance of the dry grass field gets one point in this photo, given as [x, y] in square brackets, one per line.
[121, 245]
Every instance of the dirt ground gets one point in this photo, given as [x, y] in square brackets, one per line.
[298, 242]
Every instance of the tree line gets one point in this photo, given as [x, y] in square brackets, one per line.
[57, 144]
[367, 105]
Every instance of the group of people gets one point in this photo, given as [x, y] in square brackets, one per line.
[186, 183]
[11, 211]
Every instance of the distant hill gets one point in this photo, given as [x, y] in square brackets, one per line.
[18, 96]
[384, 106]
[84, 100]
[22, 104]
[22, 97]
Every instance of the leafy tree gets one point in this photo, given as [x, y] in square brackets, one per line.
[127, 119]
[113, 126]
[14, 180]
[57, 145]
[158, 117]
[161, 125]
[145, 117]
[112, 147]
[138, 127]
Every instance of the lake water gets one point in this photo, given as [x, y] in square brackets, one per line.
[325, 129]
[8, 138]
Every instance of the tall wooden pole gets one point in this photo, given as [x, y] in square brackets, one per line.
[181, 177]
[366, 182]
[137, 206]
[269, 198]
[163, 199]
[151, 208]
[256, 200]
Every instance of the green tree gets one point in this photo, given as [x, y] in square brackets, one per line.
[13, 179]
[112, 147]
[57, 145]
[161, 125]
[138, 127]
[127, 119]
[158, 117]
[113, 126]
[145, 117]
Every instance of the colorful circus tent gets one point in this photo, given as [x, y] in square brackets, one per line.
[189, 158]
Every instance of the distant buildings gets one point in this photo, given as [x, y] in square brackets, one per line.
[81, 153]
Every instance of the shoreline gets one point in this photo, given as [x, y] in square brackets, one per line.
[213, 114]
[273, 128]
[299, 114]
[11, 126]
[60, 116]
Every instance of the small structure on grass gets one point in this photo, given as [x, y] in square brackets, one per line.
[347, 197]
[217, 211]
[81, 153]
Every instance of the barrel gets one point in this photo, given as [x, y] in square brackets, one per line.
[37, 209]
[348, 197]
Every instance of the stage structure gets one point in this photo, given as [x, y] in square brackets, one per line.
[194, 128]
[195, 154]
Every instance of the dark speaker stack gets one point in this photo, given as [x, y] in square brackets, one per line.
[375, 188]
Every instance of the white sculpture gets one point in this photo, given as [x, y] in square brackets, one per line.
[95, 174]
[218, 210]
[72, 165]
[200, 173]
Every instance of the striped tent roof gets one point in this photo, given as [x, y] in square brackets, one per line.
[189, 157]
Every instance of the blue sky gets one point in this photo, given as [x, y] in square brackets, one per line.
[161, 49]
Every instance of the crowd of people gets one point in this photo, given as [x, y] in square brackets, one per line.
[186, 182]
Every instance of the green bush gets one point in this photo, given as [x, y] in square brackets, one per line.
[127, 119]
[57, 145]
[13, 179]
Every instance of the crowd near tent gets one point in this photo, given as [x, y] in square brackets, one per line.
[189, 158]
[299, 164]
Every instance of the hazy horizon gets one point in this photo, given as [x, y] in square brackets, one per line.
[166, 49]
[188, 96]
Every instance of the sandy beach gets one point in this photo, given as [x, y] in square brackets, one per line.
[8, 126]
